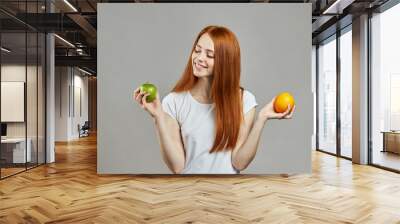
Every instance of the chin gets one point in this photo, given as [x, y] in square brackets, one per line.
[197, 74]
[200, 75]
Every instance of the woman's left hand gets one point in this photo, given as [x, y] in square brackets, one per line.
[268, 112]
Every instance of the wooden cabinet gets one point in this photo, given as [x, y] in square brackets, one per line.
[391, 142]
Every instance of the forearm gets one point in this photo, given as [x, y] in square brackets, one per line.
[169, 148]
[246, 153]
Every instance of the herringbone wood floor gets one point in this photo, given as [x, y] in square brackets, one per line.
[70, 191]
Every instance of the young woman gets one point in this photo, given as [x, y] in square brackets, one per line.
[208, 123]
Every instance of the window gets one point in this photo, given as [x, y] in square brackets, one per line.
[385, 88]
[346, 93]
[327, 96]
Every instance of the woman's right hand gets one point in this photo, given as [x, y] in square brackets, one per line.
[268, 112]
[154, 108]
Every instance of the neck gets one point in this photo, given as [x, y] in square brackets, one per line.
[203, 87]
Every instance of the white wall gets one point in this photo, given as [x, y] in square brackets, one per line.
[12, 73]
[67, 116]
[62, 81]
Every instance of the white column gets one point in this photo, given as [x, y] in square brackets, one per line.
[50, 79]
[360, 90]
[50, 91]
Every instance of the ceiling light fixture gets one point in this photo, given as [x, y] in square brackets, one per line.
[337, 7]
[84, 71]
[70, 5]
[79, 51]
[64, 40]
[5, 50]
[328, 10]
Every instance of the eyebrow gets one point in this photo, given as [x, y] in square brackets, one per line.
[197, 45]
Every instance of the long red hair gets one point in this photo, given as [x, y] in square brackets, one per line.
[225, 87]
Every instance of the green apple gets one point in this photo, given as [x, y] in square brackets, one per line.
[149, 88]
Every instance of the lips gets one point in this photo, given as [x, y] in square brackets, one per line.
[199, 67]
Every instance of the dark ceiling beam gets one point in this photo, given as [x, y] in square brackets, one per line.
[70, 23]
[15, 18]
[49, 22]
[91, 5]
[11, 25]
[83, 61]
[84, 24]
[57, 22]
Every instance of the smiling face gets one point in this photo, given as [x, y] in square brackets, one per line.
[203, 57]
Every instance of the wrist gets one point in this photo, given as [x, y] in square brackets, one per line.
[158, 117]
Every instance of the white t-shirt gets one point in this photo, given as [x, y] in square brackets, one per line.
[197, 126]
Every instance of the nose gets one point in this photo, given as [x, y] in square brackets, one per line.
[201, 57]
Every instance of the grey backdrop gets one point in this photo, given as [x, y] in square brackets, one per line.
[152, 42]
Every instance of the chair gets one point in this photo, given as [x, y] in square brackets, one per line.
[84, 130]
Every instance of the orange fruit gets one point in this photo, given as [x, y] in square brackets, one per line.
[282, 101]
